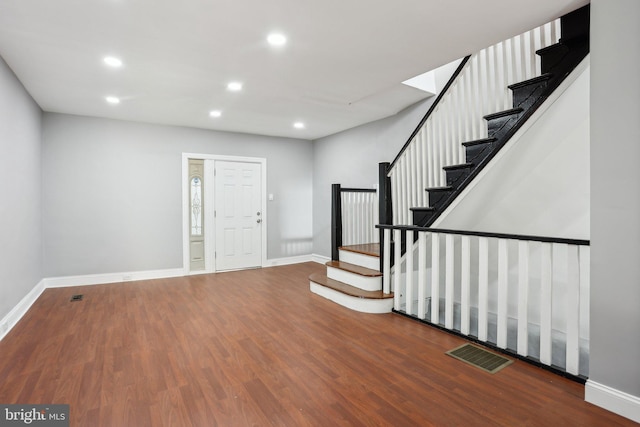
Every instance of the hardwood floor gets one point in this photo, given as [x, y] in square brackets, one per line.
[258, 348]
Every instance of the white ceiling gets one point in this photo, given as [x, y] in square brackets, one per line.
[342, 65]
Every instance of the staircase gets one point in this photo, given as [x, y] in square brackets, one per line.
[557, 62]
[354, 281]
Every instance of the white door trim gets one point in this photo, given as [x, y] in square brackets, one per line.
[209, 205]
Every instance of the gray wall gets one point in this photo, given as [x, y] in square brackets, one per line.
[113, 198]
[615, 194]
[20, 192]
[351, 158]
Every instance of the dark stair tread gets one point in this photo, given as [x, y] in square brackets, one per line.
[479, 142]
[504, 113]
[370, 249]
[436, 189]
[352, 268]
[551, 48]
[322, 279]
[422, 209]
[460, 166]
[533, 81]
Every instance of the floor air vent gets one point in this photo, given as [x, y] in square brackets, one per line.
[480, 358]
[76, 298]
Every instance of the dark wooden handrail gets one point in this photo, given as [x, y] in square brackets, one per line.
[358, 190]
[446, 87]
[543, 239]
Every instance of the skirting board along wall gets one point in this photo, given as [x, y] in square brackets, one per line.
[613, 400]
[320, 259]
[14, 316]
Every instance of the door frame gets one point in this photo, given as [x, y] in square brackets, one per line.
[209, 207]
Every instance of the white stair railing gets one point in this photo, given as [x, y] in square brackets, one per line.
[524, 294]
[359, 216]
[479, 89]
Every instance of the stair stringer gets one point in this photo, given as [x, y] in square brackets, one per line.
[444, 220]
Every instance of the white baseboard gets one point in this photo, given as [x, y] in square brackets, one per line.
[288, 260]
[99, 279]
[619, 402]
[11, 319]
[320, 259]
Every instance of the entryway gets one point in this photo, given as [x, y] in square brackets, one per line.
[224, 213]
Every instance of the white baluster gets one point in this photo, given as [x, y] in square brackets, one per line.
[386, 267]
[573, 310]
[522, 63]
[395, 190]
[503, 290]
[546, 258]
[483, 288]
[539, 43]
[422, 274]
[397, 254]
[465, 286]
[376, 218]
[531, 60]
[585, 266]
[435, 278]
[419, 171]
[449, 271]
[409, 263]
[411, 190]
[424, 163]
[405, 192]
[523, 298]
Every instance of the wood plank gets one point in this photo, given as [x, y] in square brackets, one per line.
[352, 268]
[371, 249]
[257, 347]
[322, 279]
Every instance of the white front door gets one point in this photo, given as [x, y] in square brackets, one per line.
[238, 215]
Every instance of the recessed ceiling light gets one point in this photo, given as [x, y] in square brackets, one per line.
[113, 61]
[276, 39]
[298, 125]
[215, 113]
[234, 86]
[113, 100]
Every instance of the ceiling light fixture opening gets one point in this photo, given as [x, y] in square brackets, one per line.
[215, 113]
[277, 39]
[298, 125]
[234, 86]
[113, 99]
[113, 61]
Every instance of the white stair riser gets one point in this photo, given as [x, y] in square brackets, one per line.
[364, 305]
[362, 260]
[366, 283]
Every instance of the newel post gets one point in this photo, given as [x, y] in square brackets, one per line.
[385, 215]
[336, 221]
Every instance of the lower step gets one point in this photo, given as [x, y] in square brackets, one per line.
[349, 296]
[364, 255]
